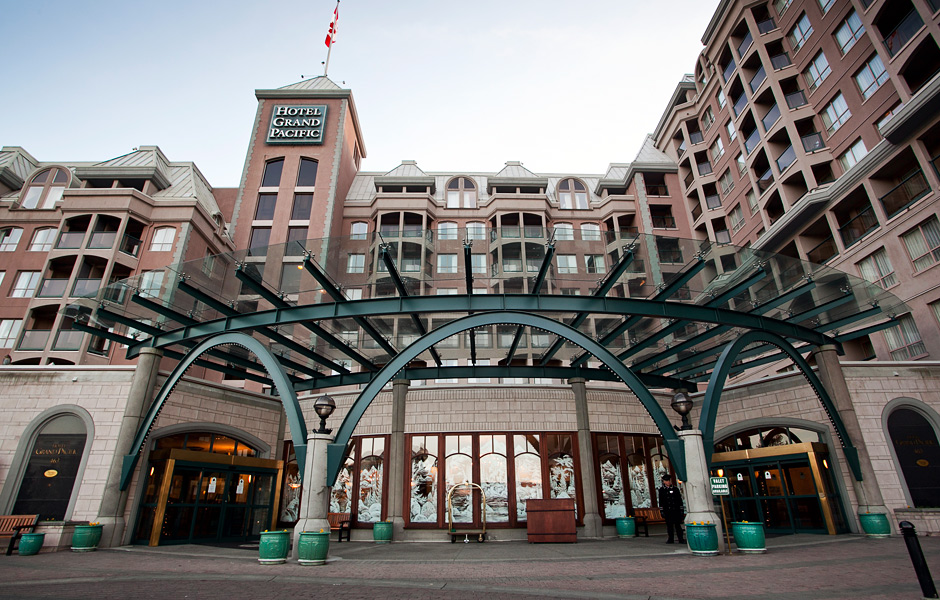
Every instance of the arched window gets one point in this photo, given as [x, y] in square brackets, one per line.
[572, 194]
[272, 173]
[447, 231]
[918, 453]
[461, 193]
[10, 238]
[590, 232]
[476, 231]
[45, 189]
[564, 231]
[43, 239]
[307, 175]
[163, 239]
[358, 230]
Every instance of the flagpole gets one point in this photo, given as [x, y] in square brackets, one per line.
[330, 48]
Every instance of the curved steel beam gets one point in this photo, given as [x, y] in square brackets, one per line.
[723, 368]
[295, 417]
[337, 448]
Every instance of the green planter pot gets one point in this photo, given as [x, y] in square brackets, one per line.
[30, 543]
[875, 524]
[749, 537]
[273, 547]
[626, 527]
[702, 539]
[85, 538]
[313, 547]
[382, 532]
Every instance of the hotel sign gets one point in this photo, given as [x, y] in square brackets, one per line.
[292, 124]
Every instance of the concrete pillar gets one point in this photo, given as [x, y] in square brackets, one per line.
[397, 459]
[699, 503]
[315, 499]
[593, 524]
[113, 500]
[830, 373]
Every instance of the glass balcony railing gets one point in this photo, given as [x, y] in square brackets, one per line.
[858, 227]
[823, 251]
[765, 180]
[696, 211]
[115, 293]
[911, 189]
[412, 231]
[745, 45]
[705, 168]
[758, 78]
[656, 190]
[512, 232]
[689, 179]
[751, 142]
[696, 137]
[786, 159]
[52, 288]
[796, 99]
[102, 239]
[739, 105]
[772, 116]
[34, 339]
[723, 236]
[681, 149]
[902, 34]
[85, 287]
[780, 61]
[68, 339]
[625, 233]
[713, 201]
[532, 231]
[812, 142]
[70, 240]
[766, 26]
[728, 70]
[130, 245]
[664, 221]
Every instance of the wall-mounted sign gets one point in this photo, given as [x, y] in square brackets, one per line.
[212, 485]
[297, 124]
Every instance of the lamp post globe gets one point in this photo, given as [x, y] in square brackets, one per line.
[682, 404]
[324, 406]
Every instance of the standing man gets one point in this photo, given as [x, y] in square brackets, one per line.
[670, 504]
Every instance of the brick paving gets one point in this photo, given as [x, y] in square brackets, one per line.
[802, 566]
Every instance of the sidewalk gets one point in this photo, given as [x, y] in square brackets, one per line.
[800, 566]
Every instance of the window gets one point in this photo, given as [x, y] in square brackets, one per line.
[163, 239]
[461, 192]
[737, 218]
[572, 194]
[272, 173]
[835, 114]
[800, 32]
[825, 5]
[303, 203]
[358, 230]
[721, 98]
[751, 201]
[564, 231]
[590, 232]
[446, 263]
[817, 71]
[669, 250]
[478, 263]
[594, 263]
[307, 174]
[718, 148]
[707, 119]
[739, 160]
[43, 239]
[258, 243]
[476, 231]
[447, 362]
[567, 263]
[45, 189]
[356, 263]
[9, 329]
[150, 283]
[481, 362]
[447, 231]
[446, 291]
[853, 155]
[732, 132]
[265, 209]
[353, 293]
[923, 243]
[296, 241]
[726, 182]
[877, 269]
[870, 77]
[10, 238]
[781, 6]
[904, 340]
[849, 32]
[25, 284]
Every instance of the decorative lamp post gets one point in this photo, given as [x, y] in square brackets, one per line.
[682, 404]
[324, 406]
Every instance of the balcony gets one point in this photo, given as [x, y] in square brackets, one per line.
[696, 137]
[786, 159]
[68, 339]
[388, 231]
[796, 99]
[101, 240]
[911, 189]
[812, 142]
[739, 105]
[766, 26]
[52, 288]
[681, 149]
[723, 236]
[758, 79]
[130, 245]
[713, 201]
[116, 293]
[689, 179]
[34, 339]
[772, 116]
[412, 231]
[656, 190]
[86, 287]
[625, 233]
[70, 240]
[696, 211]
[823, 252]
[858, 227]
[750, 144]
[745, 45]
[705, 168]
[780, 61]
[765, 180]
[728, 70]
[511, 232]
[532, 232]
[664, 221]
[902, 34]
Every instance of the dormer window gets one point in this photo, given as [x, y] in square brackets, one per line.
[461, 193]
[572, 194]
[45, 189]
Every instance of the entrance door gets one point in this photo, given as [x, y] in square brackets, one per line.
[782, 494]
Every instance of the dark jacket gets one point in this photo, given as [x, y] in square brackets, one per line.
[670, 501]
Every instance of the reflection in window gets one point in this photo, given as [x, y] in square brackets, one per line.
[43, 239]
[424, 479]
[528, 471]
[561, 467]
[459, 465]
[612, 489]
[9, 238]
[639, 482]
[493, 477]
[163, 239]
[370, 480]
[342, 493]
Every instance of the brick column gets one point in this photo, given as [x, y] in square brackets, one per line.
[397, 458]
[593, 524]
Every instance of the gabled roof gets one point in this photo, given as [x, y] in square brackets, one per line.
[651, 156]
[515, 170]
[147, 162]
[515, 174]
[407, 168]
[314, 83]
[15, 166]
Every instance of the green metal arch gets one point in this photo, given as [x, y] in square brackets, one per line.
[720, 374]
[295, 417]
[337, 449]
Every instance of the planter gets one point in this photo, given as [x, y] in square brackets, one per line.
[273, 547]
[85, 538]
[626, 527]
[313, 547]
[749, 537]
[30, 543]
[702, 538]
[875, 525]
[382, 532]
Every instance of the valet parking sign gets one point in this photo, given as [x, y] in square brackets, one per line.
[293, 124]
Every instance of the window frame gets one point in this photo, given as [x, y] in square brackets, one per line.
[157, 242]
[832, 121]
[876, 80]
[854, 34]
[804, 27]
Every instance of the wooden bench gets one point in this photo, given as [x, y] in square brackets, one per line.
[646, 517]
[13, 526]
[339, 522]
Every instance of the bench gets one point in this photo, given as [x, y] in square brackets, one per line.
[646, 517]
[13, 526]
[339, 522]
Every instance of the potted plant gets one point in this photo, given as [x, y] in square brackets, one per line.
[626, 527]
[313, 547]
[85, 538]
[749, 537]
[875, 525]
[273, 547]
[31, 543]
[702, 538]
[382, 532]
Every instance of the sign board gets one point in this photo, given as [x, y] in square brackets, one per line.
[297, 124]
[720, 486]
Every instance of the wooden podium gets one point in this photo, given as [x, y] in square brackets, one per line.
[551, 521]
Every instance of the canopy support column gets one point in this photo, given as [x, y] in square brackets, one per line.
[593, 523]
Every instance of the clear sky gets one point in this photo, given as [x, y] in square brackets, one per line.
[564, 87]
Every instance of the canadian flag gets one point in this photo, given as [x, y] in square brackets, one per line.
[331, 36]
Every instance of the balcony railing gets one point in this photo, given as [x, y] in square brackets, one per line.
[766, 26]
[823, 251]
[858, 226]
[102, 239]
[68, 339]
[758, 78]
[752, 140]
[511, 232]
[713, 201]
[656, 190]
[664, 221]
[935, 161]
[723, 236]
[681, 149]
[130, 245]
[115, 293]
[796, 99]
[739, 105]
[532, 231]
[745, 45]
[688, 180]
[85, 287]
[625, 233]
[812, 142]
[780, 61]
[786, 159]
[902, 34]
[911, 189]
[34, 339]
[765, 180]
[728, 70]
[772, 116]
[70, 240]
[696, 211]
[389, 231]
[52, 288]
[696, 137]
[705, 168]
[412, 231]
